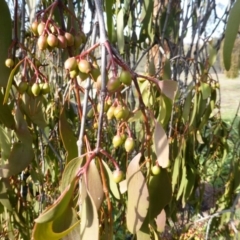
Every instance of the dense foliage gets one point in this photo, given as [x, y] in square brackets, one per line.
[114, 131]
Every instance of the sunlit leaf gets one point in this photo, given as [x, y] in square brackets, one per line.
[5, 41]
[16, 163]
[70, 172]
[67, 136]
[168, 87]
[5, 143]
[94, 184]
[231, 34]
[206, 90]
[111, 183]
[123, 186]
[59, 206]
[58, 228]
[4, 198]
[161, 145]
[108, 6]
[89, 228]
[120, 34]
[160, 192]
[161, 221]
[31, 8]
[138, 202]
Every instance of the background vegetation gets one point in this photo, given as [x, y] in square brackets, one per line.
[111, 126]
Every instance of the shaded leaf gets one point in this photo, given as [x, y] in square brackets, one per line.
[161, 221]
[59, 206]
[138, 203]
[160, 193]
[22, 130]
[108, 6]
[5, 42]
[94, 184]
[67, 136]
[231, 34]
[6, 116]
[89, 227]
[120, 33]
[168, 87]
[20, 157]
[111, 183]
[161, 145]
[33, 107]
[167, 70]
[176, 171]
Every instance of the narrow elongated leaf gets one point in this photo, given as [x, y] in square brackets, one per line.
[108, 7]
[160, 192]
[161, 145]
[206, 90]
[212, 55]
[67, 136]
[60, 205]
[111, 183]
[70, 172]
[94, 184]
[89, 228]
[120, 33]
[4, 198]
[9, 82]
[176, 171]
[32, 8]
[20, 157]
[22, 130]
[5, 143]
[231, 34]
[5, 42]
[6, 116]
[168, 87]
[138, 203]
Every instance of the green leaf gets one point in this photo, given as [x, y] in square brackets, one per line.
[167, 70]
[22, 130]
[16, 165]
[6, 116]
[111, 183]
[4, 198]
[231, 34]
[67, 136]
[94, 184]
[120, 33]
[187, 107]
[5, 143]
[89, 227]
[168, 87]
[212, 55]
[33, 107]
[176, 171]
[70, 172]
[161, 145]
[59, 206]
[58, 228]
[206, 90]
[160, 193]
[165, 110]
[108, 7]
[5, 42]
[9, 82]
[138, 203]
